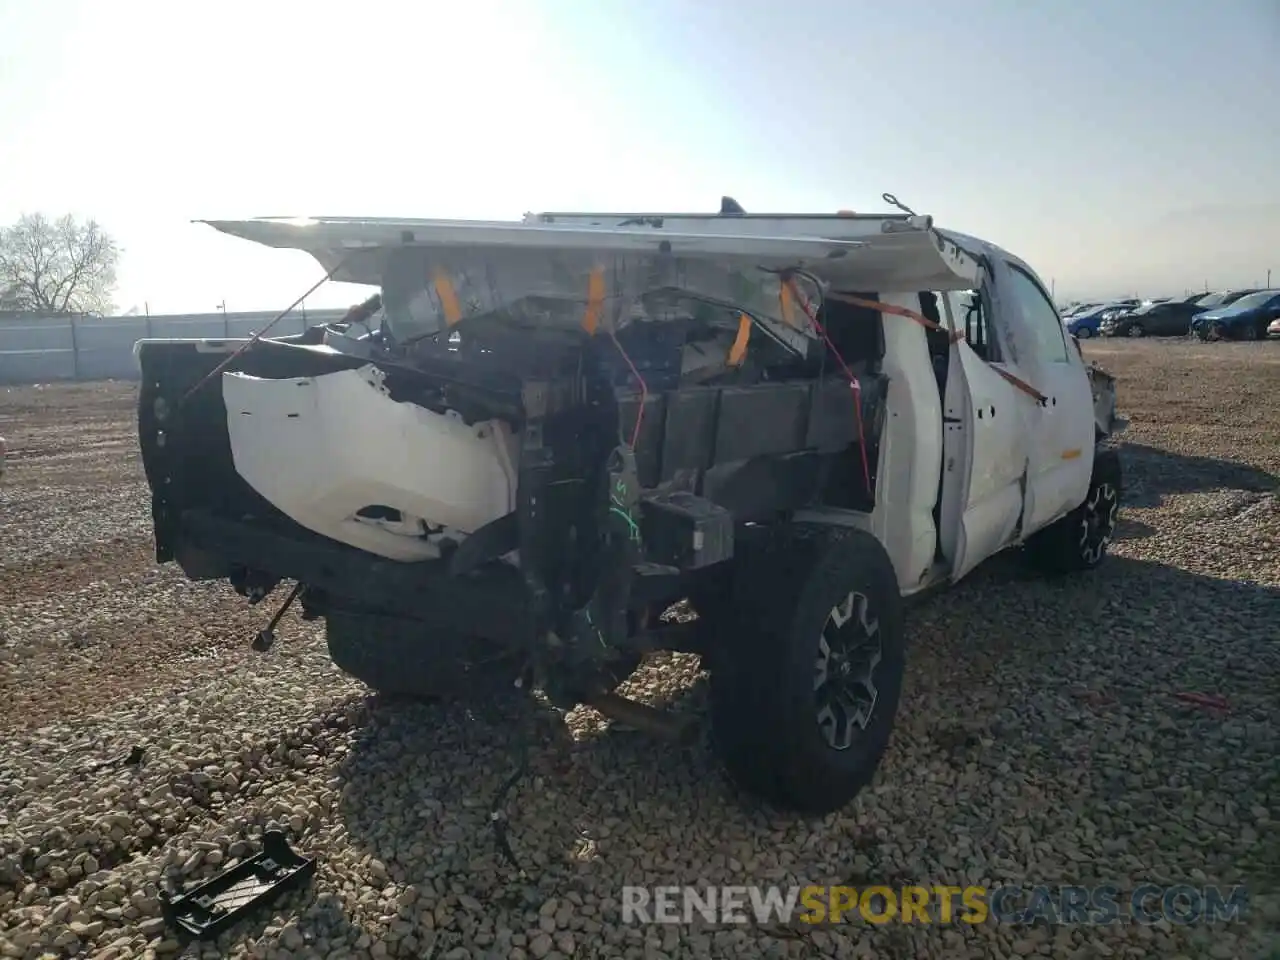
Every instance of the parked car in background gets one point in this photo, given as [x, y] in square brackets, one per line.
[1248, 318]
[1224, 298]
[1274, 329]
[1085, 324]
[1077, 308]
[1116, 311]
[1156, 318]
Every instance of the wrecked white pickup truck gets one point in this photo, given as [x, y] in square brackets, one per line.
[557, 429]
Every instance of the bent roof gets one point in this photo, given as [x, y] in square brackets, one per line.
[865, 253]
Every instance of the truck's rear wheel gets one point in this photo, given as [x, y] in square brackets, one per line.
[402, 657]
[806, 681]
[1079, 541]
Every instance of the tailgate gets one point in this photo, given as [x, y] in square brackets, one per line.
[182, 427]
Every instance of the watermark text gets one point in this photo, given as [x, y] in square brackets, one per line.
[937, 904]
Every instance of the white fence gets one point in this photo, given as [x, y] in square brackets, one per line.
[45, 349]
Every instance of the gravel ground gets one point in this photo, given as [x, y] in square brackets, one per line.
[1042, 736]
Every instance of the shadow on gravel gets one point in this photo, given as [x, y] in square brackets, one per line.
[420, 779]
[1152, 690]
[419, 782]
[1174, 618]
[1127, 529]
[1058, 679]
[1151, 474]
[318, 918]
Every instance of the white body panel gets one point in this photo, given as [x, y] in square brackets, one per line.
[1060, 433]
[1014, 465]
[1060, 461]
[985, 458]
[320, 449]
[910, 450]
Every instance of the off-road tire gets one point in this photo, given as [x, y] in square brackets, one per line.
[393, 656]
[1070, 544]
[764, 707]
[715, 603]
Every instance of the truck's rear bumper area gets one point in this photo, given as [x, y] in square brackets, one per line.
[491, 604]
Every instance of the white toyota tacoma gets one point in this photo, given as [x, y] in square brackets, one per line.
[538, 437]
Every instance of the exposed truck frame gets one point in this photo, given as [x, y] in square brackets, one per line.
[566, 426]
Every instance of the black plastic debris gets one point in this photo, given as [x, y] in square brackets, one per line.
[132, 758]
[205, 911]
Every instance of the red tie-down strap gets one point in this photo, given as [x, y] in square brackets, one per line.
[789, 286]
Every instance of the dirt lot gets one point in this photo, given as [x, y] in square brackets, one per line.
[1047, 733]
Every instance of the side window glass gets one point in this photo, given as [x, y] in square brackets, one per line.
[975, 323]
[1041, 321]
[967, 316]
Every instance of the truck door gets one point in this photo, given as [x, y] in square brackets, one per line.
[1060, 451]
[984, 446]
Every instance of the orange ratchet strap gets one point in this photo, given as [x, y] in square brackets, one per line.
[919, 318]
[1022, 385]
[953, 336]
[738, 351]
[595, 301]
[448, 294]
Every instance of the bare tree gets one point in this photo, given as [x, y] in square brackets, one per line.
[57, 266]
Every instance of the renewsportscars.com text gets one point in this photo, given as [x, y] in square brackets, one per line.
[1145, 904]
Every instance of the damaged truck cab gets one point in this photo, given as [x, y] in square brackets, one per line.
[520, 456]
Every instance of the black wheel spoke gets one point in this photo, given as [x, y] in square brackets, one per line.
[1099, 521]
[849, 651]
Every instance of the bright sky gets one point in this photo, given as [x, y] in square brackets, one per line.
[1118, 145]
